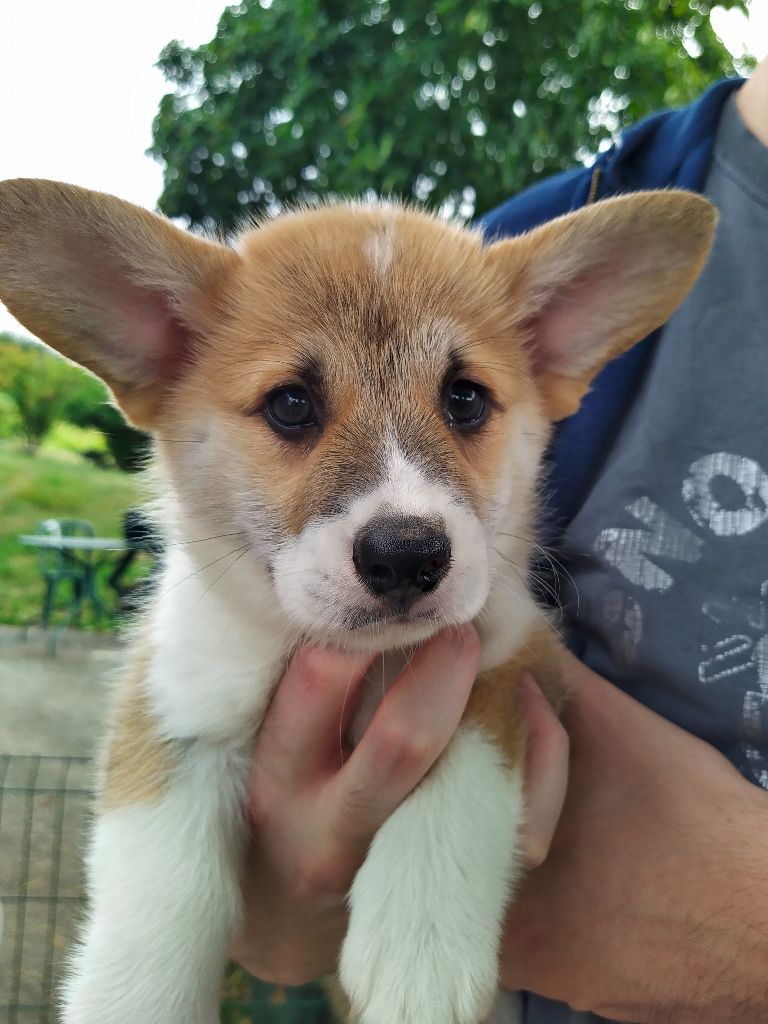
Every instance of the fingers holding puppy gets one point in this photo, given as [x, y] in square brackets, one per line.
[546, 772]
[409, 731]
[302, 742]
[315, 812]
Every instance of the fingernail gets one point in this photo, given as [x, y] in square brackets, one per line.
[315, 657]
[332, 660]
[464, 635]
[529, 685]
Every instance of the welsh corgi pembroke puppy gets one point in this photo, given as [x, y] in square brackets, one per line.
[350, 406]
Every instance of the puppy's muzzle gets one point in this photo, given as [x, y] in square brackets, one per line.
[400, 559]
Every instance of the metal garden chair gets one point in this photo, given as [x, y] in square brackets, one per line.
[57, 567]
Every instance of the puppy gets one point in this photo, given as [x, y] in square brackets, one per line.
[350, 409]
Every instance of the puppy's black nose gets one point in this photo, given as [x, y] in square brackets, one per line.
[401, 558]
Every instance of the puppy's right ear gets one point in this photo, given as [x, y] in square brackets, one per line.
[113, 287]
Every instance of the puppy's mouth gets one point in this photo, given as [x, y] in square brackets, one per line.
[362, 619]
[395, 581]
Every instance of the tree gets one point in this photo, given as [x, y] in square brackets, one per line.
[456, 103]
[45, 388]
[39, 384]
[90, 406]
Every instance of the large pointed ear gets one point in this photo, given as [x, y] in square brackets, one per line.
[589, 285]
[111, 286]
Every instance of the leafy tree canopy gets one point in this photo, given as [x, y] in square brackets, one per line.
[459, 103]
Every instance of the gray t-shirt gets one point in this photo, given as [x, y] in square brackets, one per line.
[669, 553]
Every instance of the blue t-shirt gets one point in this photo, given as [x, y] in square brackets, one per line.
[669, 550]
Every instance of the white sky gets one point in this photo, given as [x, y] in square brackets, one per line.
[78, 90]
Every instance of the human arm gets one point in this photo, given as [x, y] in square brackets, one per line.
[653, 903]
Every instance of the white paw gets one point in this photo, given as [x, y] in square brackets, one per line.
[426, 978]
[426, 907]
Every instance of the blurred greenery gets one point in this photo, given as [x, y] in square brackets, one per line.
[69, 438]
[246, 999]
[80, 444]
[39, 385]
[456, 103]
[56, 483]
[39, 390]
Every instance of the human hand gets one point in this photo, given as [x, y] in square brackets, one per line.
[652, 905]
[316, 806]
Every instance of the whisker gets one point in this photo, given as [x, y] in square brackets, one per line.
[201, 569]
[201, 540]
[341, 720]
[223, 573]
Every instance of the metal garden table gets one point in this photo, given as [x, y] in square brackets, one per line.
[82, 554]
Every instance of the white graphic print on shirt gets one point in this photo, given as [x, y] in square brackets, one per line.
[726, 495]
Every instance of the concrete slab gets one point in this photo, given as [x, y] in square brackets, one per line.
[54, 705]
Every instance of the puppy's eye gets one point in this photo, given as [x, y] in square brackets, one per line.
[290, 409]
[465, 404]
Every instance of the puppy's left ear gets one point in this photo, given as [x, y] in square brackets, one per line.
[589, 285]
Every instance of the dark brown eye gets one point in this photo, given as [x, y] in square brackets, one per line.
[466, 404]
[290, 409]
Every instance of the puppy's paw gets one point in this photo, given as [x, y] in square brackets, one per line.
[428, 973]
[426, 907]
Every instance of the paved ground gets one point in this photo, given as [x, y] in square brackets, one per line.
[52, 710]
[54, 705]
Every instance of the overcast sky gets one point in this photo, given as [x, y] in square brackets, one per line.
[78, 90]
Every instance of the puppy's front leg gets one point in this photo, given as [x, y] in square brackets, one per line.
[163, 877]
[426, 907]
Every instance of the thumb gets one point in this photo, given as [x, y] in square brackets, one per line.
[546, 772]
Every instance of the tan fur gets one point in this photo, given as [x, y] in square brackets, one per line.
[562, 396]
[137, 764]
[397, 331]
[493, 702]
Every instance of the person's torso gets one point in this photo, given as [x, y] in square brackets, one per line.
[669, 552]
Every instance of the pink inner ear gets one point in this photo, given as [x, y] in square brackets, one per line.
[149, 340]
[141, 337]
[573, 328]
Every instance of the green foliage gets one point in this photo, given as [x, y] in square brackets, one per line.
[59, 484]
[90, 408]
[42, 388]
[38, 382]
[458, 104]
[10, 421]
[69, 438]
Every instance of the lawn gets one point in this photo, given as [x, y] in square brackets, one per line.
[57, 483]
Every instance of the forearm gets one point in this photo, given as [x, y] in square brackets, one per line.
[652, 906]
[729, 970]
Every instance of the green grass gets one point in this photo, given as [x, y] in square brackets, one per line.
[53, 483]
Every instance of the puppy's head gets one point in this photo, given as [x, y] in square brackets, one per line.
[363, 393]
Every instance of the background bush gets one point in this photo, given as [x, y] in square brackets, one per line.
[39, 388]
